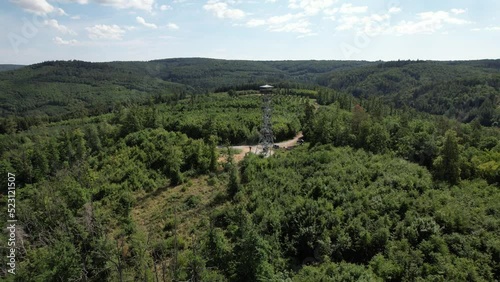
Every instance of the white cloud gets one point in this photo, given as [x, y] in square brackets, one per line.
[130, 28]
[77, 17]
[77, 1]
[273, 21]
[307, 35]
[223, 11]
[350, 9]
[60, 41]
[489, 28]
[165, 7]
[102, 31]
[348, 23]
[375, 24]
[256, 22]
[394, 10]
[282, 19]
[172, 26]
[146, 5]
[43, 7]
[427, 23]
[284, 23]
[61, 28]
[40, 7]
[166, 37]
[370, 25]
[146, 24]
[458, 11]
[60, 12]
[311, 7]
[440, 16]
[299, 26]
[331, 12]
[420, 27]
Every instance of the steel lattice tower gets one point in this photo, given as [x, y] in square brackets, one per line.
[266, 140]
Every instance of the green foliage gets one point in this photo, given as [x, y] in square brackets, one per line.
[461, 90]
[378, 139]
[234, 181]
[192, 201]
[488, 165]
[75, 89]
[8, 67]
[251, 254]
[231, 120]
[217, 250]
[468, 153]
[57, 90]
[448, 162]
[355, 203]
[345, 272]
[374, 217]
[55, 263]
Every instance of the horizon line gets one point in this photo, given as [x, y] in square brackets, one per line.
[258, 60]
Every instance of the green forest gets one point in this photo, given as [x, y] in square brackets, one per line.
[126, 171]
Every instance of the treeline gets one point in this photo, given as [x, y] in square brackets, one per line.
[38, 158]
[381, 190]
[62, 90]
[373, 194]
[212, 74]
[462, 90]
[8, 67]
[235, 120]
[79, 181]
[450, 150]
[216, 119]
[14, 123]
[340, 214]
[75, 193]
[465, 90]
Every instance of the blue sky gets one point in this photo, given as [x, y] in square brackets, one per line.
[124, 30]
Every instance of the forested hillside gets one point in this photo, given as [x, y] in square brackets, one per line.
[461, 90]
[57, 90]
[5, 67]
[131, 174]
[60, 90]
[213, 74]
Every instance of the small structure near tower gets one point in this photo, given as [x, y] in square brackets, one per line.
[266, 139]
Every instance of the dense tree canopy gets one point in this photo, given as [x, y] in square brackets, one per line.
[125, 171]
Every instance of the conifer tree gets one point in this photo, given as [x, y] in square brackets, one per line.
[447, 164]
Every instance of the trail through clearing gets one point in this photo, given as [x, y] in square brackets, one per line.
[244, 149]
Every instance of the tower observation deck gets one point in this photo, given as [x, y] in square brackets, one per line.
[266, 138]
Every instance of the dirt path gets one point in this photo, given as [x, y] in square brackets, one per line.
[246, 148]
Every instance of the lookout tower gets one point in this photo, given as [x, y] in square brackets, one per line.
[266, 139]
[266, 89]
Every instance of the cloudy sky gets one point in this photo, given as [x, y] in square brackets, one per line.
[109, 30]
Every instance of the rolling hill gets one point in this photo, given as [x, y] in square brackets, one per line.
[7, 67]
[464, 90]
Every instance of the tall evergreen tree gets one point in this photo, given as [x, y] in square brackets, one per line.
[234, 181]
[447, 164]
[307, 121]
[213, 152]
